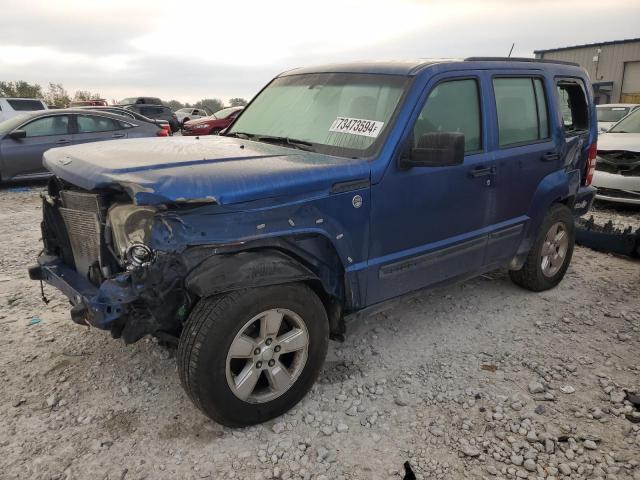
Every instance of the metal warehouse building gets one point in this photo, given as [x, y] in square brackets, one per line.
[614, 67]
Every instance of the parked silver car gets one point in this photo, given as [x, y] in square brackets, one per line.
[617, 174]
[24, 138]
[611, 113]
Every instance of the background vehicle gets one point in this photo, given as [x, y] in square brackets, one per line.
[24, 138]
[156, 112]
[611, 113]
[10, 107]
[617, 174]
[140, 101]
[337, 188]
[186, 114]
[88, 103]
[132, 114]
[213, 124]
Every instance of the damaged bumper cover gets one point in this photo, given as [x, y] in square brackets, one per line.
[130, 304]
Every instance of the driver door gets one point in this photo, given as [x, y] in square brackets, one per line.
[430, 224]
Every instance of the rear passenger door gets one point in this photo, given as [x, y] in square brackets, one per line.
[525, 151]
[93, 128]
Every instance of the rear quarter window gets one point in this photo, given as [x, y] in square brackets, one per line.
[25, 105]
[572, 103]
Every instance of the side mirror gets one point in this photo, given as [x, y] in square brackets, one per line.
[435, 150]
[18, 134]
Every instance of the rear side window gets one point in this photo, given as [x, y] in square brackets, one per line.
[24, 105]
[573, 105]
[46, 126]
[91, 124]
[522, 110]
[452, 106]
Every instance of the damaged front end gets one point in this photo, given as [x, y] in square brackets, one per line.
[97, 252]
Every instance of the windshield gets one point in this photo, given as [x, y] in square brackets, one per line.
[629, 124]
[611, 114]
[224, 113]
[344, 114]
[8, 125]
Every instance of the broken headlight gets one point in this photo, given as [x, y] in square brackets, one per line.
[131, 231]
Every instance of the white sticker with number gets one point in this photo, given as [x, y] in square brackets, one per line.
[357, 126]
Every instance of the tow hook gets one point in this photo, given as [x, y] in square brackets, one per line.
[79, 314]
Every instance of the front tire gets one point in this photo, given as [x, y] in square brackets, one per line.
[248, 356]
[550, 256]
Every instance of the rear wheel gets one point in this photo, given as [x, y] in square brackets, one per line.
[551, 253]
[248, 356]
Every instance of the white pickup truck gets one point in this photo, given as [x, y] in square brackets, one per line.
[10, 107]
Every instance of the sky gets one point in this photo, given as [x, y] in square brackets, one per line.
[189, 50]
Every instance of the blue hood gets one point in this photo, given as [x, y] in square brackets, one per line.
[208, 169]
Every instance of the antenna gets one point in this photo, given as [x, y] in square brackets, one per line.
[512, 45]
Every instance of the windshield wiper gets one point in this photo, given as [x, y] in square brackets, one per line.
[244, 135]
[300, 144]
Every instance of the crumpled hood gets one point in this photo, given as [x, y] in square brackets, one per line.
[190, 169]
[619, 141]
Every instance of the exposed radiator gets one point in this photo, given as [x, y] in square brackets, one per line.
[82, 214]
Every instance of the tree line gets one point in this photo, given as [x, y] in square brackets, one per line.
[57, 96]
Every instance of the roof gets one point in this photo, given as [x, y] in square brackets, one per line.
[600, 44]
[410, 67]
[400, 67]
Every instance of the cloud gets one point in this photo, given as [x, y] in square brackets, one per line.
[193, 50]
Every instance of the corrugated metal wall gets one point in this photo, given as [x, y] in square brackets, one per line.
[610, 67]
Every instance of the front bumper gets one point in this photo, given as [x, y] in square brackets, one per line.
[100, 306]
[617, 188]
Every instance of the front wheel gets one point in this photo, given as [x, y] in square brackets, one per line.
[551, 252]
[248, 356]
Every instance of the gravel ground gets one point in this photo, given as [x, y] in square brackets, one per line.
[477, 380]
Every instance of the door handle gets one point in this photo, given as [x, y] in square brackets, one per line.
[481, 171]
[117, 135]
[550, 157]
[63, 141]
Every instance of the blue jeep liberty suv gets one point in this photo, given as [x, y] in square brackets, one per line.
[337, 188]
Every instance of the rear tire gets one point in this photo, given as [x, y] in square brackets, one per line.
[551, 253]
[218, 352]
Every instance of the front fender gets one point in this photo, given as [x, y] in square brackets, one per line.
[248, 269]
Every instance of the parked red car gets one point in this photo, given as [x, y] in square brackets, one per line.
[213, 124]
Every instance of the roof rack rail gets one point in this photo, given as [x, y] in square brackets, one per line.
[520, 59]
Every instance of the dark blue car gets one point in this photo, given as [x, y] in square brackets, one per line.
[337, 188]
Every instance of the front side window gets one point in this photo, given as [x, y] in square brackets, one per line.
[91, 124]
[573, 105]
[46, 126]
[344, 114]
[452, 106]
[522, 110]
